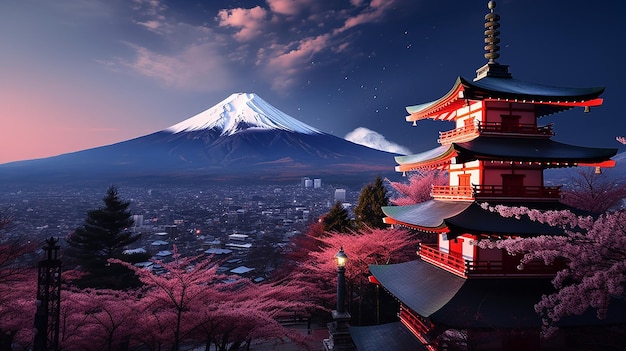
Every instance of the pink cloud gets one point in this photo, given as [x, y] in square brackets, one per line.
[250, 21]
[373, 13]
[285, 66]
[199, 67]
[288, 7]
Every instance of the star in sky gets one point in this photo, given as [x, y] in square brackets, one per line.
[84, 73]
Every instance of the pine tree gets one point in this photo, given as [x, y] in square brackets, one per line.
[337, 219]
[103, 236]
[368, 211]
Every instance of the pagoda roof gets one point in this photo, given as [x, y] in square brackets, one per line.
[548, 99]
[476, 220]
[529, 149]
[461, 303]
[434, 158]
[429, 215]
[459, 217]
[506, 149]
[422, 287]
[389, 336]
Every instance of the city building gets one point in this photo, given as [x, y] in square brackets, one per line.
[457, 295]
[317, 183]
[340, 195]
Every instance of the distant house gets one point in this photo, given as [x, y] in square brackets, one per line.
[241, 270]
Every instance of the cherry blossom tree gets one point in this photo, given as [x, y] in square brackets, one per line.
[594, 249]
[186, 281]
[17, 309]
[369, 246]
[248, 312]
[18, 286]
[109, 317]
[419, 187]
[593, 192]
[194, 304]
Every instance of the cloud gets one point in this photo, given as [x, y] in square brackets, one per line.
[280, 40]
[199, 67]
[286, 65]
[375, 140]
[249, 21]
[284, 59]
[289, 7]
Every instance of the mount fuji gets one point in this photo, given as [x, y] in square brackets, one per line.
[241, 139]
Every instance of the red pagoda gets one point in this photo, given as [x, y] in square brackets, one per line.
[457, 295]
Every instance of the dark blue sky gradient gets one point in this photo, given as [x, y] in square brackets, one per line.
[92, 72]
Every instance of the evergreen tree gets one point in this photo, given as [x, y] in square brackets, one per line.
[103, 236]
[337, 219]
[368, 211]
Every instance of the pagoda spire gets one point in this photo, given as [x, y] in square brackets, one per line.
[492, 33]
[492, 39]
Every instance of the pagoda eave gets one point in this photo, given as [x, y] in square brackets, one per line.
[507, 90]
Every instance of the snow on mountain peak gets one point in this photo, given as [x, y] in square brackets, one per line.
[242, 111]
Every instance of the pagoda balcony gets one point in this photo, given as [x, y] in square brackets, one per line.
[458, 135]
[525, 192]
[495, 192]
[469, 132]
[456, 264]
[442, 192]
[523, 129]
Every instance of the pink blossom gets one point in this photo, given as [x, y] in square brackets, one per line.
[593, 249]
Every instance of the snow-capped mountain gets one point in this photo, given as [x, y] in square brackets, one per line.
[242, 138]
[240, 112]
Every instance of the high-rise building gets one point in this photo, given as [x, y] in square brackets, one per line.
[340, 195]
[317, 183]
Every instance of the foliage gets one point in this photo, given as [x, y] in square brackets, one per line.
[191, 302]
[337, 219]
[17, 309]
[18, 287]
[103, 236]
[593, 192]
[108, 317]
[368, 211]
[369, 246]
[594, 250]
[419, 187]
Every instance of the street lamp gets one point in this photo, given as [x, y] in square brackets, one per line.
[339, 333]
[342, 259]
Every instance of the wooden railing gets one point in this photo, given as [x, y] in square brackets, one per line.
[419, 327]
[459, 134]
[452, 263]
[455, 263]
[442, 192]
[531, 129]
[541, 192]
[534, 268]
[469, 132]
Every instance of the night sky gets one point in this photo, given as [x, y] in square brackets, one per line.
[77, 74]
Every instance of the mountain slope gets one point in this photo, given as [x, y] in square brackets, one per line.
[242, 138]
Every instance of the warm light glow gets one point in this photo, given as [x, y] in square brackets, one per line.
[341, 257]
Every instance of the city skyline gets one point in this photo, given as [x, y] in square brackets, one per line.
[87, 73]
